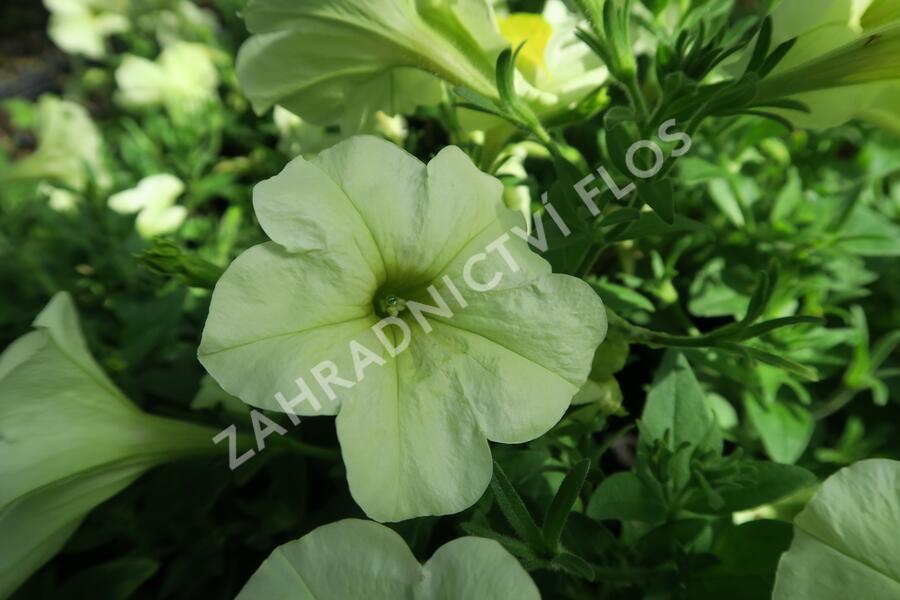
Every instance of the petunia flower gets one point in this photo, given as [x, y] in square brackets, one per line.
[69, 148]
[82, 26]
[555, 72]
[844, 64]
[339, 62]
[394, 295]
[361, 559]
[69, 440]
[553, 60]
[183, 79]
[153, 199]
[847, 538]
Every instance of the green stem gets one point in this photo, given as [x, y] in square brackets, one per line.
[635, 95]
[838, 401]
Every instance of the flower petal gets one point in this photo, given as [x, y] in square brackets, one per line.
[471, 567]
[348, 559]
[277, 315]
[155, 220]
[411, 445]
[419, 217]
[528, 342]
[361, 559]
[303, 208]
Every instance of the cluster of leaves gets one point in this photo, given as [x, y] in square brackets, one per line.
[763, 268]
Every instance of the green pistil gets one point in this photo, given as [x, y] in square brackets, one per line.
[391, 305]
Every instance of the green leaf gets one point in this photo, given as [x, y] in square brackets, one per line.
[717, 291]
[753, 547]
[620, 216]
[765, 327]
[785, 427]
[562, 503]
[762, 293]
[623, 496]
[651, 223]
[574, 565]
[748, 557]
[506, 71]
[361, 559]
[789, 198]
[759, 483]
[676, 404]
[847, 539]
[776, 57]
[769, 358]
[514, 509]
[723, 194]
[115, 580]
[619, 139]
[661, 541]
[867, 232]
[621, 299]
[475, 101]
[516, 547]
[660, 197]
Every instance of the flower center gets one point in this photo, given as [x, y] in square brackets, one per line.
[389, 305]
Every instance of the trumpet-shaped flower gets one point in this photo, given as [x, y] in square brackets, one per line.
[69, 440]
[69, 147]
[393, 295]
[153, 199]
[361, 559]
[183, 79]
[82, 26]
[844, 64]
[341, 62]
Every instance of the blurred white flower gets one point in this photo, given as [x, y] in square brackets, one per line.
[183, 21]
[153, 199]
[183, 79]
[69, 147]
[512, 164]
[299, 137]
[82, 26]
[59, 199]
[392, 128]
